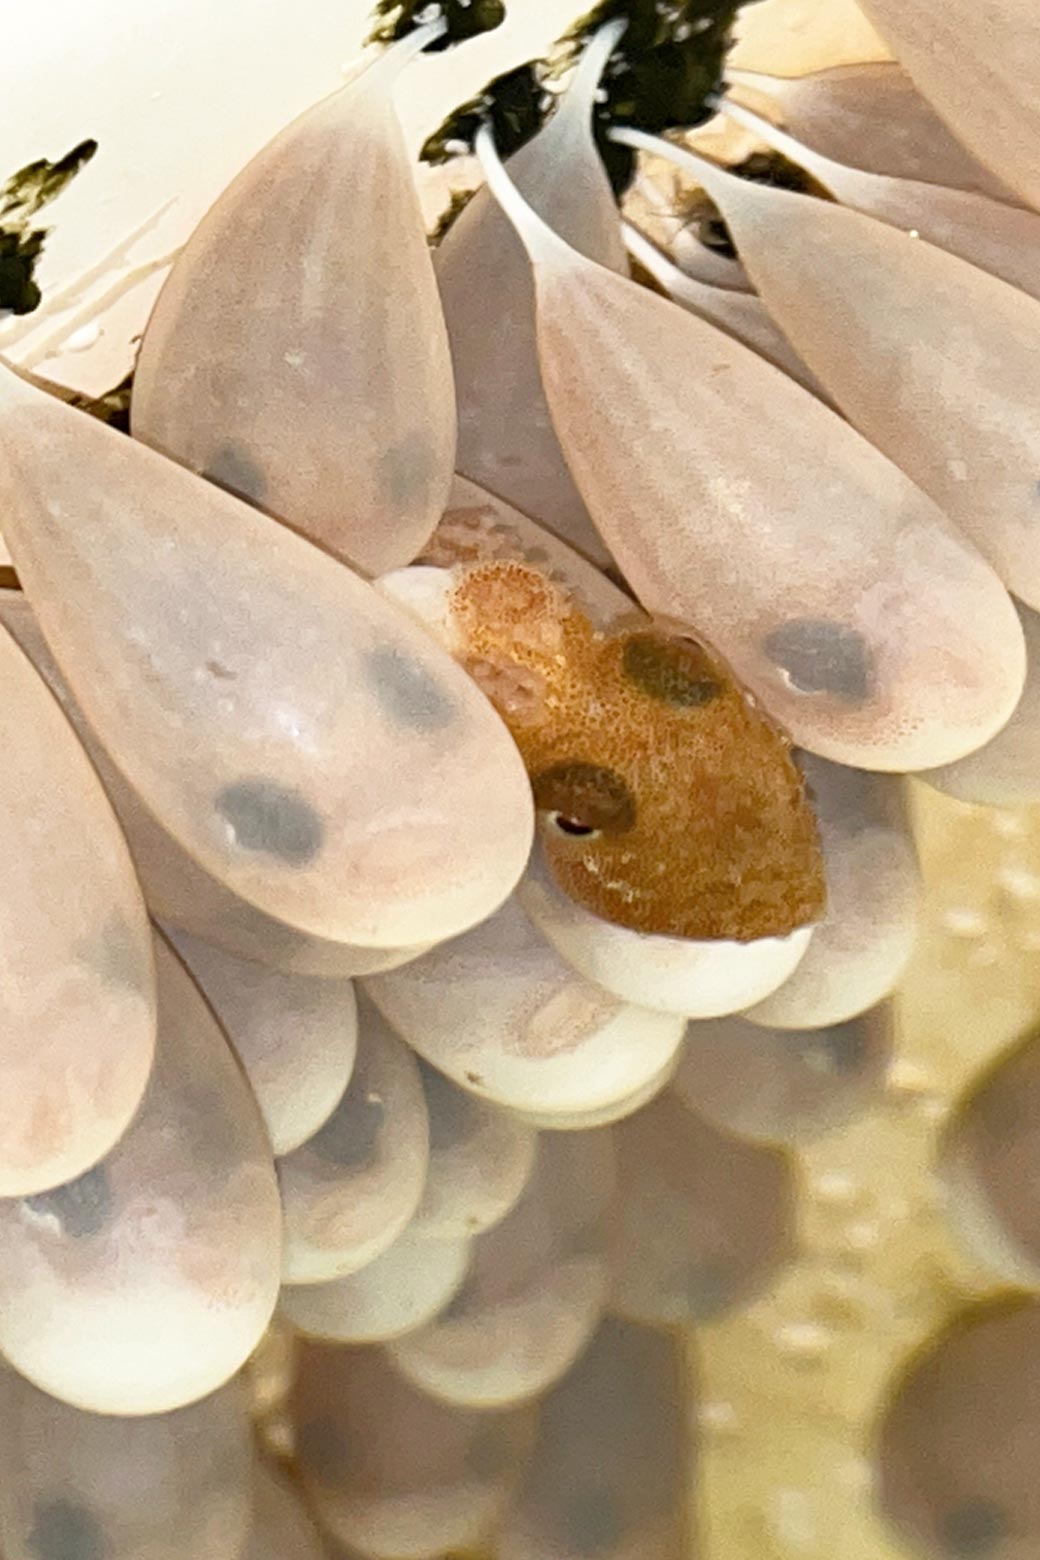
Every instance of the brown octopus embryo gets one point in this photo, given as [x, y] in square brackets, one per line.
[670, 803]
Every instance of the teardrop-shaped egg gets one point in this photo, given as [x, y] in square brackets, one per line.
[871, 116]
[979, 68]
[783, 1085]
[862, 946]
[350, 1190]
[176, 888]
[702, 1221]
[77, 992]
[303, 740]
[535, 1288]
[836, 589]
[295, 1036]
[611, 1457]
[480, 1161]
[740, 315]
[854, 297]
[989, 1164]
[401, 1290]
[145, 1283]
[1000, 238]
[679, 976]
[390, 1472]
[297, 353]
[77, 1486]
[956, 1443]
[1006, 772]
[504, 1017]
[506, 437]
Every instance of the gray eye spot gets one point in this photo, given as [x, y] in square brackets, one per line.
[676, 671]
[404, 470]
[823, 657]
[233, 468]
[118, 956]
[407, 691]
[593, 1524]
[271, 819]
[708, 1289]
[453, 1119]
[82, 1206]
[65, 1530]
[841, 1049]
[322, 1449]
[972, 1530]
[350, 1137]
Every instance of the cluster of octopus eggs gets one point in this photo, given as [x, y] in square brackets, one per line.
[296, 1018]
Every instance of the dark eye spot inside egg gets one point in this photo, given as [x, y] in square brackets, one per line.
[272, 820]
[677, 671]
[584, 799]
[972, 1530]
[823, 657]
[65, 1530]
[82, 1206]
[406, 690]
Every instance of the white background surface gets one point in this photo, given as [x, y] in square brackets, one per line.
[180, 93]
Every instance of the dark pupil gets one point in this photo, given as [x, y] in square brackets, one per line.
[585, 797]
[677, 673]
[572, 826]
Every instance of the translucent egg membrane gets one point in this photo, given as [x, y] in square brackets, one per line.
[957, 1439]
[852, 293]
[836, 589]
[176, 888]
[504, 1017]
[295, 1035]
[611, 1457]
[350, 1190]
[282, 1526]
[535, 1287]
[78, 983]
[392, 1473]
[506, 437]
[145, 1283]
[1006, 771]
[480, 1161]
[310, 746]
[1001, 238]
[297, 353]
[870, 116]
[775, 1085]
[980, 70]
[703, 1220]
[174, 1486]
[989, 1162]
[863, 944]
[396, 1293]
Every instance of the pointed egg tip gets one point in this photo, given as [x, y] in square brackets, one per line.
[593, 62]
[543, 245]
[388, 66]
[710, 175]
[646, 253]
[778, 139]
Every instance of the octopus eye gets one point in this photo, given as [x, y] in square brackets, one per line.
[677, 671]
[584, 799]
[571, 827]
